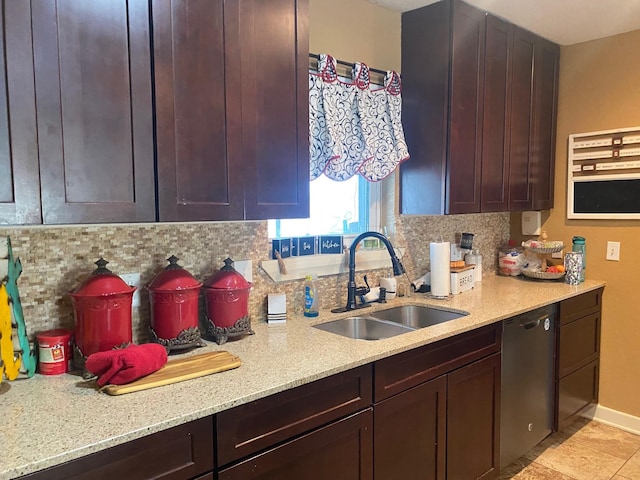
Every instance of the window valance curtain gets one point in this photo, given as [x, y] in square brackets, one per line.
[354, 129]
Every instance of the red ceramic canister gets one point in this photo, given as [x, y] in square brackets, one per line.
[227, 299]
[102, 311]
[173, 294]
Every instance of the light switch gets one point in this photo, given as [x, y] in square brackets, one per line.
[613, 251]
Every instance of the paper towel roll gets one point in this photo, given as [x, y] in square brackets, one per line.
[440, 257]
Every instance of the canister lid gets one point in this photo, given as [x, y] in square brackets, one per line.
[173, 277]
[227, 278]
[102, 282]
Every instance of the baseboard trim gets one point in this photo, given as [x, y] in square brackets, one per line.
[612, 417]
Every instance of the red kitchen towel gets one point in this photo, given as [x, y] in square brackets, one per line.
[125, 365]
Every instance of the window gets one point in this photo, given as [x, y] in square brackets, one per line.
[339, 208]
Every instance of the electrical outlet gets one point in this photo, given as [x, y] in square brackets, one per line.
[133, 279]
[244, 268]
[559, 254]
[613, 251]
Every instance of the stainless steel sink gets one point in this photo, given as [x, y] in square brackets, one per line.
[364, 328]
[417, 316]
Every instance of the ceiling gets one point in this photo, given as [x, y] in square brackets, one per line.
[563, 21]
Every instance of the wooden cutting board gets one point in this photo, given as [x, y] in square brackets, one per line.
[178, 370]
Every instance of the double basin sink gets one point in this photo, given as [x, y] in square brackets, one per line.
[390, 322]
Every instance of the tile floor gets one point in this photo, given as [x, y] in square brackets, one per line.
[586, 450]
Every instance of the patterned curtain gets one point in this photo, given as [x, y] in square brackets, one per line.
[354, 129]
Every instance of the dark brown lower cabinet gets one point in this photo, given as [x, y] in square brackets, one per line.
[578, 356]
[410, 432]
[473, 423]
[447, 426]
[339, 451]
[179, 453]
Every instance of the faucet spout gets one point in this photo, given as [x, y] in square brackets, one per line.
[398, 268]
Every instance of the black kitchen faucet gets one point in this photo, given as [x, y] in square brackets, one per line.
[352, 290]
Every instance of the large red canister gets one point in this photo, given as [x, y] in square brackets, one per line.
[54, 351]
[102, 311]
[173, 294]
[227, 299]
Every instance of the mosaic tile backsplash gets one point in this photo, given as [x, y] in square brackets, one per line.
[57, 259]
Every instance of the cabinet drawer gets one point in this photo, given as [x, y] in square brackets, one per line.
[178, 453]
[578, 343]
[400, 372]
[575, 392]
[342, 450]
[573, 308]
[248, 428]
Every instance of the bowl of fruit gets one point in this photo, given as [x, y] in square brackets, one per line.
[545, 272]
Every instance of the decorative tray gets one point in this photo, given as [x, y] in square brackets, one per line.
[543, 246]
[542, 275]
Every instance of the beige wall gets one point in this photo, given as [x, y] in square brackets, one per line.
[355, 31]
[600, 90]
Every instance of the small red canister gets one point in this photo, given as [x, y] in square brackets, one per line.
[173, 294]
[227, 299]
[54, 351]
[102, 311]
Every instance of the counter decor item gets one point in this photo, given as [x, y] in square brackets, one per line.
[227, 300]
[440, 258]
[178, 370]
[55, 351]
[510, 260]
[124, 365]
[102, 313]
[579, 244]
[173, 295]
[12, 322]
[538, 267]
[573, 267]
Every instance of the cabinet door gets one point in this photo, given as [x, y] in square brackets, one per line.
[575, 392]
[473, 420]
[198, 127]
[465, 104]
[521, 120]
[495, 129]
[342, 450]
[93, 103]
[544, 128]
[270, 40]
[19, 176]
[409, 433]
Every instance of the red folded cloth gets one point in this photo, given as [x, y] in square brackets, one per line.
[125, 365]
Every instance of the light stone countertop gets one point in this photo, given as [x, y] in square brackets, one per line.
[48, 420]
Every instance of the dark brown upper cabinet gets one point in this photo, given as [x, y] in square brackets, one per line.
[442, 73]
[94, 110]
[479, 106]
[19, 175]
[231, 109]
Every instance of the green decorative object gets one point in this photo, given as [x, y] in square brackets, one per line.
[14, 271]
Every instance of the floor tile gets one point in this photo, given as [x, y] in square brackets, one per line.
[533, 471]
[607, 439]
[631, 469]
[580, 461]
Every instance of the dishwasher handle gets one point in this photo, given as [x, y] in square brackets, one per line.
[534, 323]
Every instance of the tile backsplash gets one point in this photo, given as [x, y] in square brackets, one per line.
[56, 259]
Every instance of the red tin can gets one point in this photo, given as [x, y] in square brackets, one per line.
[174, 295]
[102, 311]
[227, 299]
[55, 354]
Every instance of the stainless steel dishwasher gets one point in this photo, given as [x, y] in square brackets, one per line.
[527, 382]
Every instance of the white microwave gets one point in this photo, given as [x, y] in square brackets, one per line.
[604, 175]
